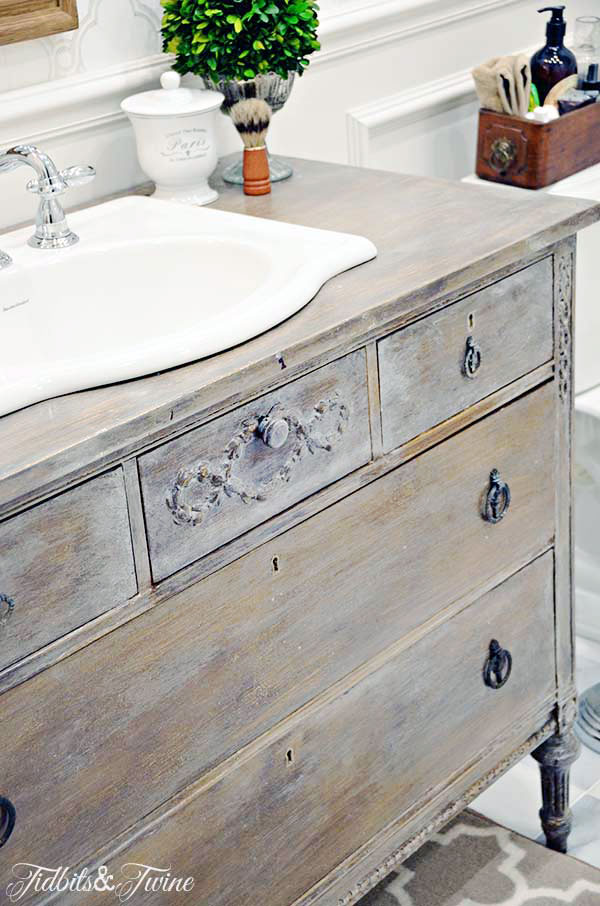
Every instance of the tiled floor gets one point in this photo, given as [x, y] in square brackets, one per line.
[514, 800]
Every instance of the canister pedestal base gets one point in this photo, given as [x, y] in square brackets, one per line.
[199, 195]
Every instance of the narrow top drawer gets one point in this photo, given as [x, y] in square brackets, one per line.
[62, 563]
[216, 482]
[445, 363]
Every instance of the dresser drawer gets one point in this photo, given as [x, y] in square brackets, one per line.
[62, 563]
[196, 678]
[439, 366]
[216, 482]
[274, 825]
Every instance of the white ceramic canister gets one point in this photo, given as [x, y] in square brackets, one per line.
[175, 136]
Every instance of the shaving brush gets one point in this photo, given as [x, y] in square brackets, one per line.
[251, 118]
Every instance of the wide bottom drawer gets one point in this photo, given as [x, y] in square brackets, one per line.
[279, 821]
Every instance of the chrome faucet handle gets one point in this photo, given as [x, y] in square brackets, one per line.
[69, 178]
[78, 176]
[5, 260]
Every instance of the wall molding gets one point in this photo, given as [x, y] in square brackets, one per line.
[400, 110]
[89, 101]
[76, 104]
[79, 116]
[389, 21]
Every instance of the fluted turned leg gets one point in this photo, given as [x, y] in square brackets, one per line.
[555, 757]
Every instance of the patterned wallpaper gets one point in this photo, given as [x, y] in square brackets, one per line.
[110, 32]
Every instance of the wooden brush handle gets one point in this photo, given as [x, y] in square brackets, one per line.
[257, 179]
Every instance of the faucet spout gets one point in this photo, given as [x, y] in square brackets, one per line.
[29, 155]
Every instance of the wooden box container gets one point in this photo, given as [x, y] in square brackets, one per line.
[523, 153]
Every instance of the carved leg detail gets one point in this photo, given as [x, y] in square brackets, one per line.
[555, 757]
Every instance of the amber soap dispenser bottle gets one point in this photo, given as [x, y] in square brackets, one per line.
[554, 62]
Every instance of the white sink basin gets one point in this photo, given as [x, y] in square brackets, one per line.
[152, 285]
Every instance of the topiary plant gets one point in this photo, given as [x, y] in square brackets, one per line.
[240, 39]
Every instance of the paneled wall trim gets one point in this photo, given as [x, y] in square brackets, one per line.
[390, 88]
[84, 101]
[400, 110]
[372, 25]
[92, 99]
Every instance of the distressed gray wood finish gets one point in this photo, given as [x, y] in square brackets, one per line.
[194, 680]
[564, 314]
[346, 629]
[151, 596]
[423, 381]
[558, 753]
[449, 240]
[322, 446]
[63, 563]
[267, 830]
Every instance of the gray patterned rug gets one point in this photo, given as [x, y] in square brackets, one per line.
[473, 862]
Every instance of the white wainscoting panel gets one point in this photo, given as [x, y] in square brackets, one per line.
[110, 32]
[424, 130]
[352, 28]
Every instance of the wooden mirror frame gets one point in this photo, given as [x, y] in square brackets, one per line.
[21, 20]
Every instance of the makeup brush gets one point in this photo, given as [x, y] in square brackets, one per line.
[251, 118]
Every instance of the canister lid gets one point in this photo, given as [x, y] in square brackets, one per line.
[172, 99]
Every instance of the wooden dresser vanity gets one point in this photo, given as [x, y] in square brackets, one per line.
[271, 619]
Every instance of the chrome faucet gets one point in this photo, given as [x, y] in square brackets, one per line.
[51, 228]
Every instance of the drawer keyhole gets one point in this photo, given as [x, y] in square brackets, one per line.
[289, 756]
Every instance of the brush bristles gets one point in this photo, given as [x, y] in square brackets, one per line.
[251, 118]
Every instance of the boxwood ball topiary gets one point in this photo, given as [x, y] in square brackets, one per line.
[240, 39]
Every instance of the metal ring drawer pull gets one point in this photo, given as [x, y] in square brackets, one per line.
[498, 666]
[7, 606]
[213, 483]
[497, 500]
[472, 362]
[8, 817]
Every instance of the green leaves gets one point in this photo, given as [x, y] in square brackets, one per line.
[237, 39]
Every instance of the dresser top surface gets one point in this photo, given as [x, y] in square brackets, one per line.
[433, 237]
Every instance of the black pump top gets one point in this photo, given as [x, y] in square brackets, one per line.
[557, 27]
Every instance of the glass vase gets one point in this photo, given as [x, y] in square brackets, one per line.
[269, 87]
[587, 43]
